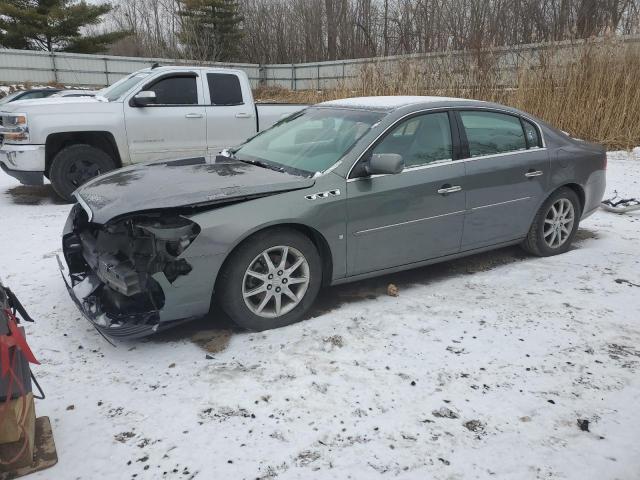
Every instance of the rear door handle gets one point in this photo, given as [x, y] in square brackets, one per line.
[194, 115]
[243, 115]
[446, 189]
[533, 173]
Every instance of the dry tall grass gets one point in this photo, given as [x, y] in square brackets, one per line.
[596, 96]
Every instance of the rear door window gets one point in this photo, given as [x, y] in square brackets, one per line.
[224, 89]
[490, 133]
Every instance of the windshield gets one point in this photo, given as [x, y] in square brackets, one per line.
[310, 141]
[115, 91]
[10, 97]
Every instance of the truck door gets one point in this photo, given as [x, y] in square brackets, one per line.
[231, 115]
[174, 125]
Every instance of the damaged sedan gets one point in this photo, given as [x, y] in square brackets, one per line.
[338, 192]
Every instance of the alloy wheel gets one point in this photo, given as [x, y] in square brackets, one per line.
[275, 281]
[558, 223]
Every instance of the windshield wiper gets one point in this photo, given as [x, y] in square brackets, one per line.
[258, 163]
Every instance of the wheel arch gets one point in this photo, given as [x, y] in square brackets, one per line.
[312, 233]
[102, 140]
[579, 192]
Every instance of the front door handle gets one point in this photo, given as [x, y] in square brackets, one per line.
[194, 115]
[446, 189]
[243, 115]
[533, 173]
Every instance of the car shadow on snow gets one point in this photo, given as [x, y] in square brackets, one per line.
[332, 298]
[214, 331]
[33, 195]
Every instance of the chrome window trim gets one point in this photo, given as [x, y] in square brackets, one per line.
[442, 163]
[446, 109]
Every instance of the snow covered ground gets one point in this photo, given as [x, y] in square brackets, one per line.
[517, 348]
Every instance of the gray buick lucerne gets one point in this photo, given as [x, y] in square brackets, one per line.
[341, 191]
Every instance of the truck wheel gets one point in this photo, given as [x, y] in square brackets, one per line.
[270, 280]
[75, 165]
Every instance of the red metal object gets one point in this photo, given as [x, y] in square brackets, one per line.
[13, 339]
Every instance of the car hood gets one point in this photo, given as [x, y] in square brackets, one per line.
[26, 105]
[180, 183]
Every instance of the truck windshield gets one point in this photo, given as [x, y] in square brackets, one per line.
[310, 141]
[118, 89]
[10, 97]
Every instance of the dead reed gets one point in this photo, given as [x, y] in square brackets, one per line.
[593, 91]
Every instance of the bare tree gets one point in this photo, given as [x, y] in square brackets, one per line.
[287, 31]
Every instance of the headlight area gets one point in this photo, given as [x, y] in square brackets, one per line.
[14, 127]
[124, 256]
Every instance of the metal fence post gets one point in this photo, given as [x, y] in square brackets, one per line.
[106, 71]
[318, 76]
[53, 67]
[262, 74]
[293, 77]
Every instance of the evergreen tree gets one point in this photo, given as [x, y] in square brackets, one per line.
[53, 25]
[211, 29]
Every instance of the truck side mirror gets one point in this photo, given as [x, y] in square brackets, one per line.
[144, 98]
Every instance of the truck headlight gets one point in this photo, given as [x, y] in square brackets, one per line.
[14, 127]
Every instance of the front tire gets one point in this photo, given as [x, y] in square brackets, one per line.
[555, 224]
[75, 165]
[270, 280]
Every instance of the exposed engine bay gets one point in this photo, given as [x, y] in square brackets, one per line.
[118, 262]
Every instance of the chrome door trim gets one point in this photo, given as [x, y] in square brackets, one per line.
[369, 230]
[537, 173]
[445, 109]
[501, 203]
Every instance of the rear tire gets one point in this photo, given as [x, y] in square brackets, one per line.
[248, 288]
[75, 165]
[555, 224]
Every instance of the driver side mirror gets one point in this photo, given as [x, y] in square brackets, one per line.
[384, 164]
[144, 98]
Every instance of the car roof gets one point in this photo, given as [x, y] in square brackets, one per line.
[390, 102]
[170, 68]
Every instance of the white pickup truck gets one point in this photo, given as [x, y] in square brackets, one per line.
[153, 114]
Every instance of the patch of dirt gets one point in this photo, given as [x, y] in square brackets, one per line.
[585, 234]
[33, 195]
[474, 426]
[224, 413]
[334, 340]
[306, 457]
[212, 341]
[124, 436]
[444, 412]
[616, 350]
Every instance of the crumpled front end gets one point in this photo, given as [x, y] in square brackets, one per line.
[133, 276]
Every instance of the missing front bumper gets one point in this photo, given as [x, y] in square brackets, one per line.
[86, 296]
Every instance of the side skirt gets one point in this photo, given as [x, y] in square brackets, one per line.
[424, 263]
